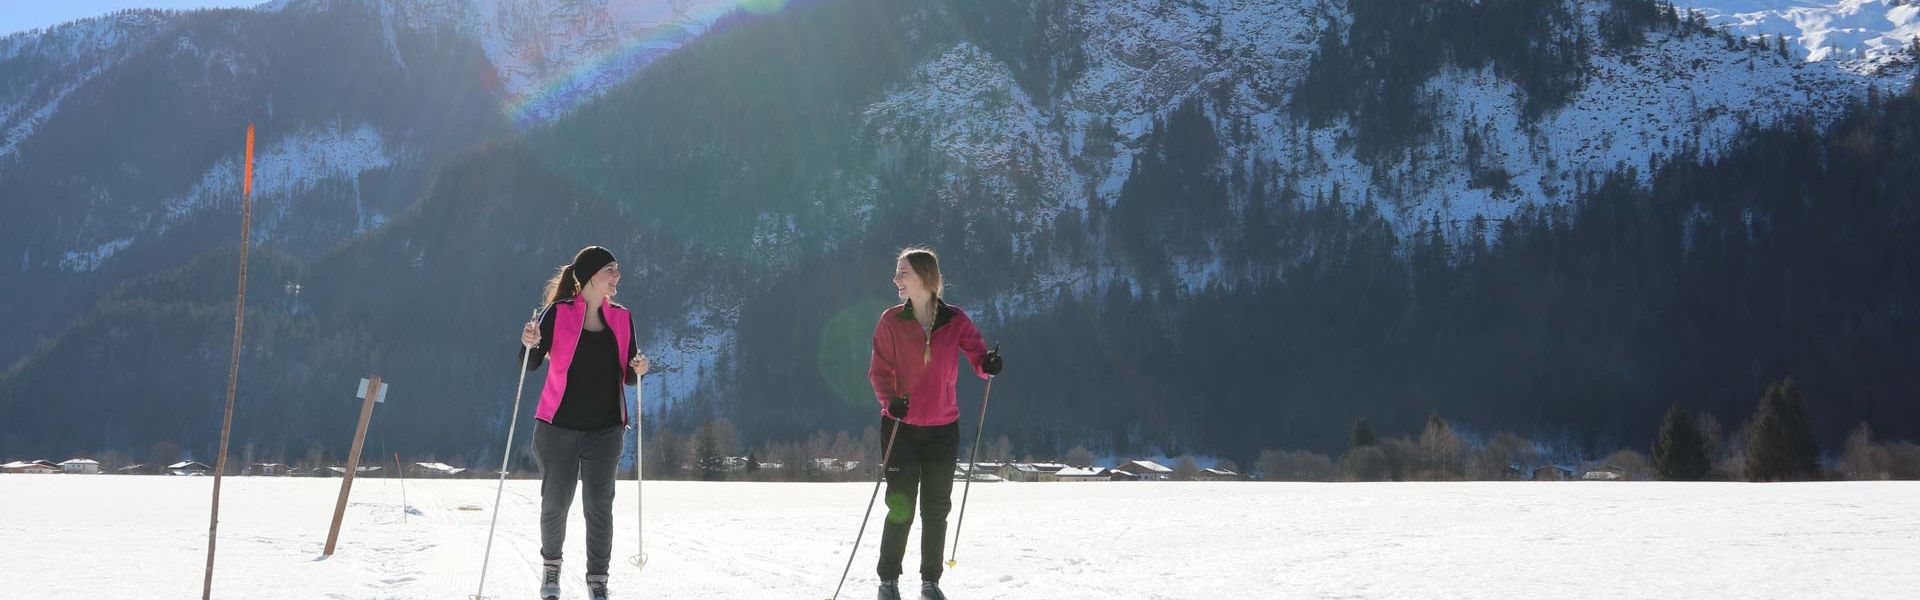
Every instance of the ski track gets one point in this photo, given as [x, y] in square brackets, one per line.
[145, 537]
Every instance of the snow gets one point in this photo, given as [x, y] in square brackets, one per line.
[978, 118]
[1865, 34]
[285, 167]
[1022, 540]
[79, 52]
[552, 56]
[686, 355]
[92, 259]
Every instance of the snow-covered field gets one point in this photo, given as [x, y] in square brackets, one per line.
[109, 537]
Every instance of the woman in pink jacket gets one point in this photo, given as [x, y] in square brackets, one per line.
[582, 411]
[916, 347]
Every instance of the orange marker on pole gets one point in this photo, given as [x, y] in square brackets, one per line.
[246, 185]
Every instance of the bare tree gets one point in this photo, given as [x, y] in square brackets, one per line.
[1080, 456]
[1185, 468]
[1497, 461]
[161, 455]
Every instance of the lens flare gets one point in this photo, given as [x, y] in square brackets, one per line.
[846, 344]
[572, 88]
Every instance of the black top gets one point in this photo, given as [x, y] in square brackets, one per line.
[592, 401]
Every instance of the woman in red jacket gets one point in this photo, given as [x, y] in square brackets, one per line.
[914, 366]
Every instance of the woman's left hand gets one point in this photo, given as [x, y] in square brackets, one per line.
[639, 364]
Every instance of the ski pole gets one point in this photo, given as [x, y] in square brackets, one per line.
[972, 457]
[884, 458]
[513, 419]
[639, 431]
[401, 471]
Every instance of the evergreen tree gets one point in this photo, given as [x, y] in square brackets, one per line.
[1780, 445]
[713, 466]
[1803, 450]
[1361, 435]
[1680, 453]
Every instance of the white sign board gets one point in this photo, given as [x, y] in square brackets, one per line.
[362, 393]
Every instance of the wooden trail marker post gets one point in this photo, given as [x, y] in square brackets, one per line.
[233, 371]
[373, 391]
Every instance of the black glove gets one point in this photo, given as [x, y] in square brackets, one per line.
[991, 364]
[897, 409]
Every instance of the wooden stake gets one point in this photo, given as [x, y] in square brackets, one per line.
[402, 473]
[233, 371]
[353, 463]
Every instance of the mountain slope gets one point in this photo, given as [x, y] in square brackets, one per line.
[1216, 227]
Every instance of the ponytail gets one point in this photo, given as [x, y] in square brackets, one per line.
[562, 286]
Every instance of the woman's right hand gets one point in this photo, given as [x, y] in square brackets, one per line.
[530, 335]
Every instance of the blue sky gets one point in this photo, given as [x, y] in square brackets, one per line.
[21, 15]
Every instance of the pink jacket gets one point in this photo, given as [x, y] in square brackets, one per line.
[569, 318]
[908, 363]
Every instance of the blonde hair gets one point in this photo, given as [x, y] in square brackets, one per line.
[926, 264]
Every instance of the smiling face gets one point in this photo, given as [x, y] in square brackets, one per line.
[605, 282]
[907, 284]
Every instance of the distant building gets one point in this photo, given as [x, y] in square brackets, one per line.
[832, 466]
[436, 470]
[1542, 472]
[33, 467]
[1146, 470]
[1078, 474]
[983, 472]
[1047, 467]
[81, 466]
[1216, 475]
[188, 468]
[132, 470]
[1026, 472]
[266, 470]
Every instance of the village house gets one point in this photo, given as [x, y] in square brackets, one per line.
[1079, 474]
[266, 470]
[188, 468]
[1025, 472]
[34, 467]
[1216, 475]
[438, 470]
[1146, 470]
[983, 474]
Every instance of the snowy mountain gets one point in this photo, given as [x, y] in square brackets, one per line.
[88, 178]
[1867, 36]
[47, 67]
[550, 55]
[1677, 93]
[1300, 211]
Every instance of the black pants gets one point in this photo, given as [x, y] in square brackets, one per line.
[921, 466]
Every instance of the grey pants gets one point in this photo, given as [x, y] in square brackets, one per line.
[590, 458]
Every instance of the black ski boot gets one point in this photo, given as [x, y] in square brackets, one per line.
[930, 590]
[890, 590]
